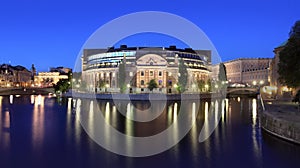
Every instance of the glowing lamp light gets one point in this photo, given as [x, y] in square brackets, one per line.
[261, 82]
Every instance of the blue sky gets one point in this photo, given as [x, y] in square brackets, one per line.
[51, 32]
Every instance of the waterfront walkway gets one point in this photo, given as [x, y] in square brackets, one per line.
[282, 119]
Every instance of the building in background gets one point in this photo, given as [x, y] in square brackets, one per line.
[14, 76]
[249, 71]
[142, 65]
[47, 79]
[276, 88]
[61, 70]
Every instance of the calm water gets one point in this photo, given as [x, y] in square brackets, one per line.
[38, 131]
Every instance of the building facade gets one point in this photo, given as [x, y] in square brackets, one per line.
[249, 71]
[14, 76]
[47, 79]
[143, 64]
[277, 89]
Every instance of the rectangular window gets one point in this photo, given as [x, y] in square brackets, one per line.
[159, 73]
[142, 73]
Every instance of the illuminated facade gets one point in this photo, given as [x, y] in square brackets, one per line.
[277, 89]
[249, 71]
[14, 76]
[48, 78]
[143, 64]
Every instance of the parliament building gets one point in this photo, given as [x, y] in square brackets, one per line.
[100, 68]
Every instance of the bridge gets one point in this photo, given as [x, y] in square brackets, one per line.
[242, 90]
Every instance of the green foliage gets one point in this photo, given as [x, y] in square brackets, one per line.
[222, 72]
[289, 64]
[152, 84]
[297, 97]
[208, 83]
[101, 83]
[122, 77]
[182, 79]
[201, 85]
[62, 86]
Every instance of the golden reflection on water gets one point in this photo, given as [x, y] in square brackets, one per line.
[170, 109]
[223, 111]
[32, 99]
[194, 113]
[175, 113]
[11, 99]
[107, 113]
[38, 119]
[256, 131]
[254, 111]
[5, 127]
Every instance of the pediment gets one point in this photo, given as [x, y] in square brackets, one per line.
[151, 59]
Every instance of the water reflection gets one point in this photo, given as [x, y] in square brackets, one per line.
[254, 111]
[32, 99]
[57, 134]
[11, 99]
[38, 119]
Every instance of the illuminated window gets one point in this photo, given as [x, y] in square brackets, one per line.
[130, 73]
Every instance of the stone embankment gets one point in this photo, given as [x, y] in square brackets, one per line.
[282, 119]
[142, 97]
[25, 91]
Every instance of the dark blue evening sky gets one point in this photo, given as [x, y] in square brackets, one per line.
[51, 32]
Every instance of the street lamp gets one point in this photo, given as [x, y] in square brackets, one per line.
[254, 83]
[261, 82]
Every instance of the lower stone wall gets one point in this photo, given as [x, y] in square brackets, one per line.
[281, 127]
[142, 97]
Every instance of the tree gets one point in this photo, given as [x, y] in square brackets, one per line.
[201, 85]
[208, 83]
[297, 99]
[122, 76]
[152, 84]
[101, 83]
[62, 86]
[288, 66]
[222, 72]
[295, 30]
[182, 78]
